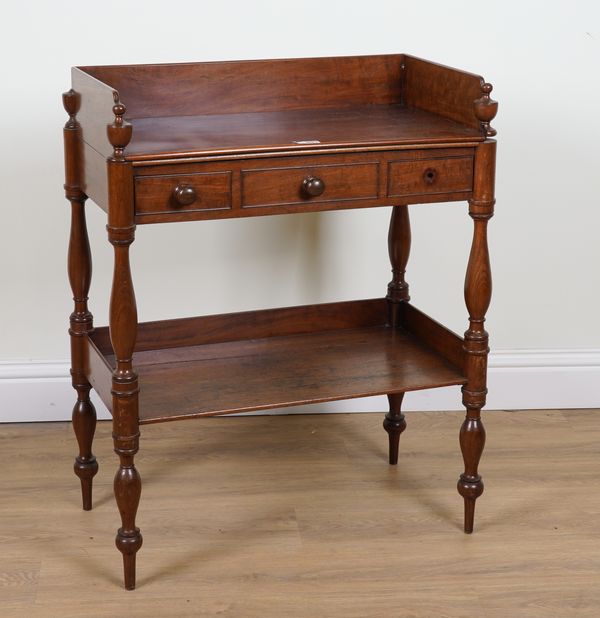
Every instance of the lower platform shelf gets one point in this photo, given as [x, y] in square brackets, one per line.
[301, 355]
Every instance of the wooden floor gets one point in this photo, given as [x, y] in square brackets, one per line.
[301, 516]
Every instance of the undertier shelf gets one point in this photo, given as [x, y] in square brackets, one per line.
[353, 356]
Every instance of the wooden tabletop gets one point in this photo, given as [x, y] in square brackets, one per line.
[268, 105]
[361, 126]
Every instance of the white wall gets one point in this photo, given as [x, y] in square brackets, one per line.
[542, 57]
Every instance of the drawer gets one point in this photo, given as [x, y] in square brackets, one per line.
[430, 176]
[182, 193]
[303, 184]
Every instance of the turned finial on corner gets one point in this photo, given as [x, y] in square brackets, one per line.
[119, 132]
[486, 109]
[71, 103]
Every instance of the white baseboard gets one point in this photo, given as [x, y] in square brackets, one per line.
[518, 379]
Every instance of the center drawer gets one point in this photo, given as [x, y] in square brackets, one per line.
[301, 184]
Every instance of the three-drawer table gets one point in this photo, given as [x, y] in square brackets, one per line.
[186, 142]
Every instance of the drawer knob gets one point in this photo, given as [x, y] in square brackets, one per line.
[184, 195]
[429, 175]
[313, 186]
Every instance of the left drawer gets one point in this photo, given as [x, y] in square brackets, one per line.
[167, 196]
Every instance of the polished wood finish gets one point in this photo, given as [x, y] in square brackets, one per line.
[433, 334]
[81, 320]
[253, 138]
[394, 423]
[171, 194]
[371, 126]
[442, 90]
[486, 109]
[253, 85]
[318, 183]
[321, 343]
[478, 292]
[304, 518]
[313, 186]
[229, 188]
[399, 240]
[172, 101]
[244, 325]
[284, 371]
[430, 176]
[123, 324]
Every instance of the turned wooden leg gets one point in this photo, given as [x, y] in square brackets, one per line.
[84, 413]
[79, 266]
[123, 325]
[470, 483]
[399, 239]
[128, 488]
[478, 291]
[84, 424]
[394, 423]
[397, 293]
[123, 332]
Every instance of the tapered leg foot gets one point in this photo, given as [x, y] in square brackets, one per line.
[129, 545]
[394, 423]
[470, 483]
[128, 487]
[469, 515]
[84, 425]
[86, 473]
[470, 491]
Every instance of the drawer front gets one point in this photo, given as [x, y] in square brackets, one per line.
[303, 184]
[430, 176]
[182, 193]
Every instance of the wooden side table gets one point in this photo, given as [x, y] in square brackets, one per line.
[241, 139]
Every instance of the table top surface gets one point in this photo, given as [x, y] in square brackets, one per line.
[270, 106]
[359, 126]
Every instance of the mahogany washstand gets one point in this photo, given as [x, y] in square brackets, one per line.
[239, 139]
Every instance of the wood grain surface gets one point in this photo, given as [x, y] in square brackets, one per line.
[255, 360]
[374, 125]
[260, 374]
[231, 87]
[304, 518]
[167, 115]
[275, 185]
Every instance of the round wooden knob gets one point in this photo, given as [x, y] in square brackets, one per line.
[313, 186]
[429, 175]
[184, 195]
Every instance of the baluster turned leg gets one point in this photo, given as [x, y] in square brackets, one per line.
[399, 250]
[123, 332]
[478, 290]
[123, 324]
[81, 321]
[394, 423]
[127, 487]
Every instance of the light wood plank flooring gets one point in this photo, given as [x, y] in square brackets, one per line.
[301, 516]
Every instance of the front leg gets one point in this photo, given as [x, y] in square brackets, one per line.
[123, 325]
[478, 291]
[123, 332]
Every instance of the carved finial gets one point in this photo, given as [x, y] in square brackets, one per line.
[71, 103]
[119, 132]
[485, 110]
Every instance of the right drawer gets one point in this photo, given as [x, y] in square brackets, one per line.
[430, 176]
